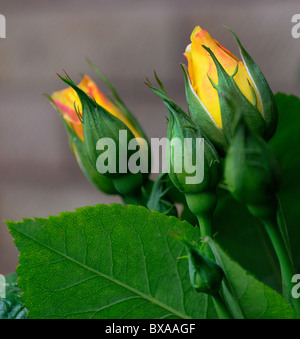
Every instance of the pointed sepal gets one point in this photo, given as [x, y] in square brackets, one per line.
[98, 124]
[266, 97]
[205, 275]
[232, 100]
[201, 116]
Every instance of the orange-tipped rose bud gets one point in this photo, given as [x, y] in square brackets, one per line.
[66, 100]
[88, 117]
[217, 82]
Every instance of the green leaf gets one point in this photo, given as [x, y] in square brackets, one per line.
[245, 239]
[122, 262]
[249, 298]
[106, 262]
[12, 307]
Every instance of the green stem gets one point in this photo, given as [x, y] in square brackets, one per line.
[283, 227]
[137, 196]
[202, 205]
[205, 225]
[271, 256]
[221, 308]
[286, 265]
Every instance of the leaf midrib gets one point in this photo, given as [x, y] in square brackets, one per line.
[141, 294]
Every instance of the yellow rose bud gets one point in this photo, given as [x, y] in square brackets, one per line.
[201, 64]
[216, 81]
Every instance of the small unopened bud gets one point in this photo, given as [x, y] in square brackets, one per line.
[205, 275]
[252, 172]
[194, 164]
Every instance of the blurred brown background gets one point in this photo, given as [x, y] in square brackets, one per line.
[127, 40]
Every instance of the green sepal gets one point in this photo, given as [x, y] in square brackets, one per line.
[205, 275]
[128, 184]
[202, 117]
[176, 130]
[170, 104]
[103, 183]
[140, 197]
[252, 172]
[119, 102]
[266, 97]
[159, 199]
[232, 100]
[99, 123]
[181, 126]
